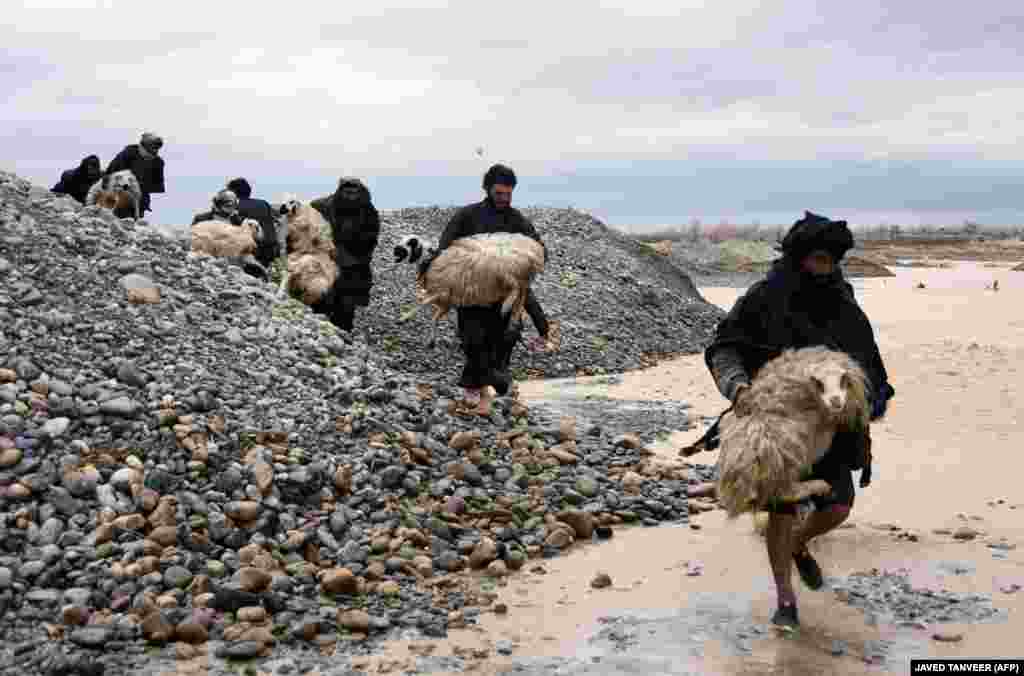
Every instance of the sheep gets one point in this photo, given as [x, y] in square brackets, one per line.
[120, 192]
[222, 239]
[460, 275]
[785, 423]
[310, 270]
[482, 270]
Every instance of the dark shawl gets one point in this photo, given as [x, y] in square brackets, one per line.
[790, 310]
[356, 230]
[76, 182]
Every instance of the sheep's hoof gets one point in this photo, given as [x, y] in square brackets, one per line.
[806, 489]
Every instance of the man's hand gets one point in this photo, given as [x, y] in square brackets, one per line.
[741, 389]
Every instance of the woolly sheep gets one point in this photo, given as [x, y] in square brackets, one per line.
[785, 422]
[222, 239]
[310, 252]
[120, 192]
[482, 270]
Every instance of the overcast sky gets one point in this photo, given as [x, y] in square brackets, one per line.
[639, 111]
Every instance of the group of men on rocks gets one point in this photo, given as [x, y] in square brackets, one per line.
[142, 159]
[804, 300]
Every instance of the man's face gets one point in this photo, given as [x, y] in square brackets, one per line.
[501, 195]
[350, 193]
[818, 263]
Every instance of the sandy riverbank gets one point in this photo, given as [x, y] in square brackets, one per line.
[947, 452]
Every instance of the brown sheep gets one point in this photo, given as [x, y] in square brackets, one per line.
[222, 239]
[482, 270]
[310, 253]
[310, 276]
[784, 423]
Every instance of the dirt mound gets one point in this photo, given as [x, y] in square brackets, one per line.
[737, 255]
[855, 266]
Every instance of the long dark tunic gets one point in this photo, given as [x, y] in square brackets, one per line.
[76, 182]
[356, 231]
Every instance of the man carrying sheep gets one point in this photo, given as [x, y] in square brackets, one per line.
[803, 301]
[355, 225]
[144, 161]
[487, 336]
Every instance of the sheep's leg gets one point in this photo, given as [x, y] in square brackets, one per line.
[135, 203]
[805, 489]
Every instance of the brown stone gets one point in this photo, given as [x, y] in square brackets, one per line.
[191, 632]
[254, 579]
[165, 512]
[74, 615]
[104, 533]
[559, 539]
[252, 614]
[497, 569]
[339, 581]
[166, 536]
[200, 585]
[130, 522]
[243, 510]
[564, 457]
[354, 620]
[462, 441]
[156, 628]
[10, 457]
[601, 580]
[343, 480]
[264, 475]
[567, 429]
[185, 651]
[484, 552]
[18, 491]
[8, 376]
[144, 295]
[375, 571]
[581, 522]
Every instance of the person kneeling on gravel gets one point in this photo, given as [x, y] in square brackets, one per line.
[803, 301]
[486, 335]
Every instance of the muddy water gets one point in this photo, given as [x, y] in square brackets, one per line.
[949, 455]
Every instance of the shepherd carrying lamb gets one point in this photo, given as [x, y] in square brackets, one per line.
[804, 301]
[489, 333]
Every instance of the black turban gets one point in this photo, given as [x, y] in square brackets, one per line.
[813, 233]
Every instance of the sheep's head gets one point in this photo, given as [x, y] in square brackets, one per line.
[410, 249]
[842, 388]
[290, 207]
[122, 180]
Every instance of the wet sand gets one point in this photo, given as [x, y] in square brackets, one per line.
[948, 451]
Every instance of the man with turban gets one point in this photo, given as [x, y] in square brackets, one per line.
[803, 301]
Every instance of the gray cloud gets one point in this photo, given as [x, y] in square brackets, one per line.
[549, 87]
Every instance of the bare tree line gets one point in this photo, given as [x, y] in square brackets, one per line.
[695, 230]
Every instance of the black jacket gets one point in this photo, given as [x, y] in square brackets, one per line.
[148, 170]
[781, 312]
[481, 218]
[261, 212]
[76, 182]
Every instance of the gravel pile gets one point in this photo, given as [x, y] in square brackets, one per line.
[618, 304]
[189, 466]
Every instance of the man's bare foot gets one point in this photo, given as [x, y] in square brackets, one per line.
[486, 399]
[705, 490]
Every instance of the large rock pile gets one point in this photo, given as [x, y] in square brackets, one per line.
[186, 462]
[617, 302]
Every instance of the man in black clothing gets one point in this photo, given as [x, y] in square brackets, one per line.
[143, 159]
[267, 248]
[224, 207]
[355, 225]
[487, 337]
[803, 301]
[76, 182]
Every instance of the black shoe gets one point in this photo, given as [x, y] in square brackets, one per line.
[502, 382]
[809, 570]
[786, 616]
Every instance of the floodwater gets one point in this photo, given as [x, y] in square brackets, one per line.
[949, 455]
